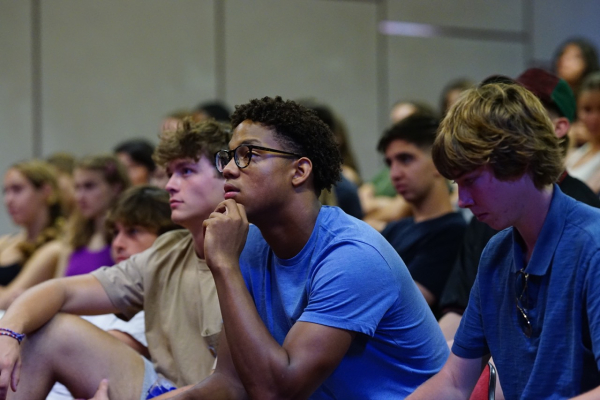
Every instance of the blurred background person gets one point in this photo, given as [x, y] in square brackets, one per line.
[584, 162]
[136, 156]
[212, 109]
[451, 91]
[575, 59]
[380, 202]
[344, 193]
[99, 180]
[32, 199]
[64, 163]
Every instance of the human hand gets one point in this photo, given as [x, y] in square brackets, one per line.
[225, 233]
[10, 365]
[102, 392]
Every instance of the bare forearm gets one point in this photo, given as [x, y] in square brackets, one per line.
[437, 387]
[591, 395]
[456, 380]
[259, 360]
[215, 387]
[35, 307]
[449, 324]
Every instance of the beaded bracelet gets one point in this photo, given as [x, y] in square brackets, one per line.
[7, 332]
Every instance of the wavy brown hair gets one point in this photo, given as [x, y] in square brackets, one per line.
[146, 206]
[192, 140]
[81, 229]
[501, 125]
[40, 173]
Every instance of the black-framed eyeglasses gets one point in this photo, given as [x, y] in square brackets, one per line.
[522, 303]
[242, 155]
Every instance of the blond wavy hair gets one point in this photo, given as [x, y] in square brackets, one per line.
[192, 139]
[501, 125]
[39, 173]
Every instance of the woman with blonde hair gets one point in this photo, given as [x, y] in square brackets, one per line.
[32, 200]
[99, 180]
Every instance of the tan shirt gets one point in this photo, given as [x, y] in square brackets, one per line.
[177, 291]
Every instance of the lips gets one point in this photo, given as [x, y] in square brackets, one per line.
[230, 190]
[480, 216]
[173, 203]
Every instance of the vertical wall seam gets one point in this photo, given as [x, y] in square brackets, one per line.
[528, 29]
[221, 89]
[36, 79]
[382, 68]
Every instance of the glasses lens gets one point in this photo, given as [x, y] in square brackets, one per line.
[242, 156]
[221, 160]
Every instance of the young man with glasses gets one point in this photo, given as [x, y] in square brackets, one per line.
[169, 281]
[535, 304]
[316, 304]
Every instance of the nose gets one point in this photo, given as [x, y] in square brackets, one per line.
[172, 185]
[396, 172]
[117, 242]
[231, 169]
[7, 198]
[464, 198]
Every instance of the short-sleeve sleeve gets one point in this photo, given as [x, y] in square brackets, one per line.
[470, 341]
[124, 283]
[346, 291]
[592, 301]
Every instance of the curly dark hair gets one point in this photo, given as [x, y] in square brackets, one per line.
[299, 130]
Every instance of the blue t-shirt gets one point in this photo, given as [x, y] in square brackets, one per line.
[348, 277]
[562, 357]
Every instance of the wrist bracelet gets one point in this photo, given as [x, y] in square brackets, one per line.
[7, 332]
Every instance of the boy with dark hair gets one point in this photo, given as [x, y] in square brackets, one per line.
[170, 281]
[315, 303]
[428, 240]
[136, 156]
[535, 299]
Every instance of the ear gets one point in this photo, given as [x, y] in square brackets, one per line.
[561, 127]
[302, 171]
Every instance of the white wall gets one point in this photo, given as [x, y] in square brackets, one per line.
[110, 70]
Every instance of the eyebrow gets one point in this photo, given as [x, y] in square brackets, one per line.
[250, 142]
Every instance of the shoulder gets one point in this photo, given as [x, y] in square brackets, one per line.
[51, 251]
[10, 240]
[340, 236]
[173, 240]
[583, 222]
[578, 190]
[397, 226]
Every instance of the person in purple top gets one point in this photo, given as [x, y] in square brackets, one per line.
[99, 180]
